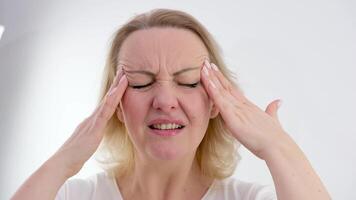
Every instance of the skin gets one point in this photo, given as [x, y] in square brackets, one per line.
[261, 132]
[165, 169]
[164, 166]
[45, 182]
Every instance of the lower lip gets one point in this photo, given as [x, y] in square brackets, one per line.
[172, 132]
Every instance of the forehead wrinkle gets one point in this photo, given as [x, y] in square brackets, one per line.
[157, 58]
[129, 64]
[141, 67]
[151, 74]
[185, 70]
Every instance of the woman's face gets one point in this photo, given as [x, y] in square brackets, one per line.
[165, 108]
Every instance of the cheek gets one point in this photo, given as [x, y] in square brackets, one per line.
[134, 107]
[197, 108]
[197, 105]
[194, 103]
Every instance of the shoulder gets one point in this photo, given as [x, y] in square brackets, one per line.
[232, 188]
[97, 186]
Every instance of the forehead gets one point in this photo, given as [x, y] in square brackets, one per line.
[162, 47]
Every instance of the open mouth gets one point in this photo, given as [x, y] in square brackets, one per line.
[170, 126]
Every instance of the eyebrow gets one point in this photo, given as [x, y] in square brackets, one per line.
[153, 75]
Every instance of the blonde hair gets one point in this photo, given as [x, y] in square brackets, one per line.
[217, 154]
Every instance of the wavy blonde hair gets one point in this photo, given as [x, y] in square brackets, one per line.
[217, 154]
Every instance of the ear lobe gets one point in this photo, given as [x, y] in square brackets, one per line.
[214, 112]
[119, 115]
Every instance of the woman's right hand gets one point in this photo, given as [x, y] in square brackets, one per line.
[87, 136]
[45, 182]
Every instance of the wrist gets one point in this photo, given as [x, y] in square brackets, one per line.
[283, 146]
[58, 167]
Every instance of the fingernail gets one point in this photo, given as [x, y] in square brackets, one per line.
[117, 80]
[214, 67]
[119, 71]
[205, 70]
[122, 79]
[207, 64]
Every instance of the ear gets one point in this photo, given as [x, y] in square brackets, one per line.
[214, 111]
[119, 113]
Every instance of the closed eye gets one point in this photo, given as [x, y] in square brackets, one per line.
[141, 86]
[193, 85]
[190, 85]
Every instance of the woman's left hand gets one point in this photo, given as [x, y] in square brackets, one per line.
[258, 130]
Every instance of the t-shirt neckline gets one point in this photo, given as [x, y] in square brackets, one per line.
[207, 193]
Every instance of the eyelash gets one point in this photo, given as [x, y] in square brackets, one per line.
[194, 85]
[141, 86]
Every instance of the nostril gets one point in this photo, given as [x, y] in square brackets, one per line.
[165, 102]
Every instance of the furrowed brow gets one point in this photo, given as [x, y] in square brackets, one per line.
[140, 72]
[151, 74]
[185, 70]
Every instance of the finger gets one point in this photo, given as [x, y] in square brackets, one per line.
[119, 74]
[121, 88]
[112, 100]
[108, 108]
[221, 86]
[215, 90]
[94, 124]
[272, 109]
[227, 84]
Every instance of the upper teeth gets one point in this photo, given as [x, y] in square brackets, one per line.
[166, 126]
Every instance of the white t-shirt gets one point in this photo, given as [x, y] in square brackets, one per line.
[102, 187]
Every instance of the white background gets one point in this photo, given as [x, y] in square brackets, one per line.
[52, 55]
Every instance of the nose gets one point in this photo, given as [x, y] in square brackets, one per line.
[165, 97]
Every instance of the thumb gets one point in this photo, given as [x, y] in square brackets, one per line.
[273, 107]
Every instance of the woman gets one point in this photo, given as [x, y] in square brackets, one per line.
[170, 118]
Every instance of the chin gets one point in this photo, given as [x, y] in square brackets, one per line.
[166, 152]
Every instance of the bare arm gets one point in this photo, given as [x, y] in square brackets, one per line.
[45, 182]
[293, 176]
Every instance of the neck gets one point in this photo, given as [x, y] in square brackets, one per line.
[175, 179]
